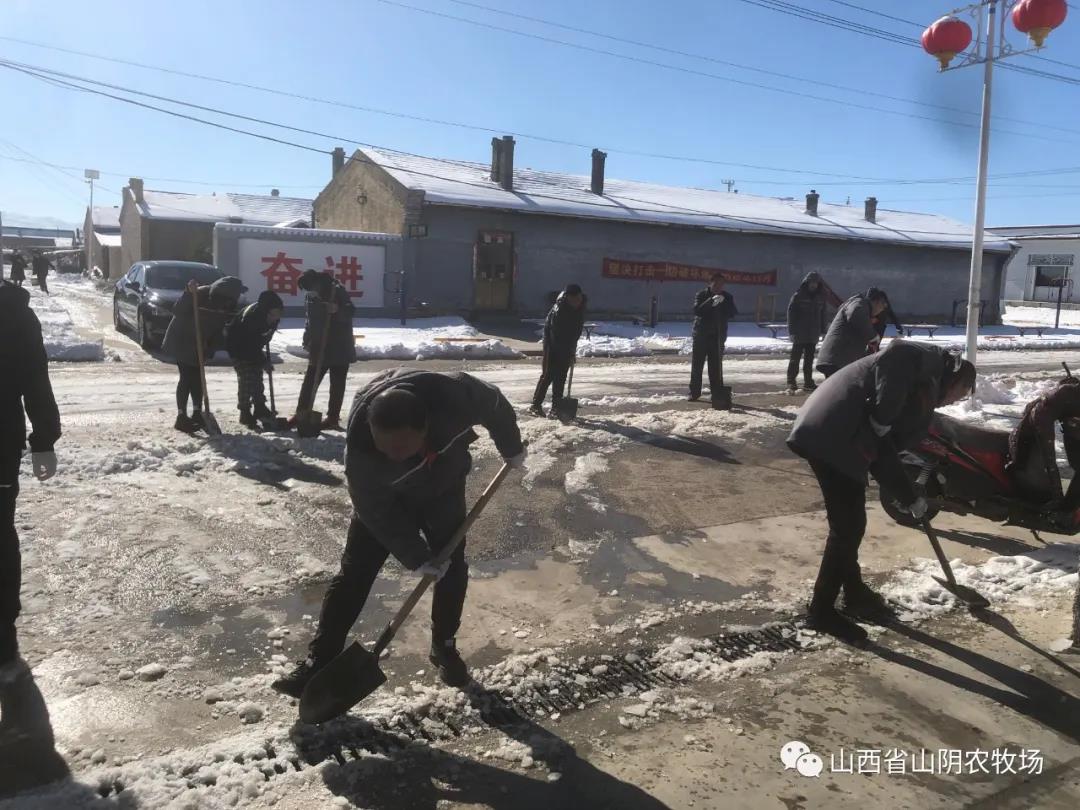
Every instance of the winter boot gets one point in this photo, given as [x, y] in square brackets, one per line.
[330, 423]
[184, 424]
[826, 619]
[791, 390]
[809, 385]
[693, 398]
[863, 602]
[197, 421]
[247, 419]
[452, 669]
[537, 410]
[294, 682]
[262, 412]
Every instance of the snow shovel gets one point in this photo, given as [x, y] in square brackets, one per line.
[273, 422]
[355, 673]
[969, 596]
[309, 420]
[568, 405]
[212, 426]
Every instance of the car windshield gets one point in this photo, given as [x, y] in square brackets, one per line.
[176, 277]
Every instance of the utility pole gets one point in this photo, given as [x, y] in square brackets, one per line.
[729, 183]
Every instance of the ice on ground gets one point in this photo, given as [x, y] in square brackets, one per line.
[579, 480]
[386, 338]
[58, 330]
[1024, 579]
[151, 672]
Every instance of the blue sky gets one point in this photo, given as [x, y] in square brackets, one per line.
[374, 54]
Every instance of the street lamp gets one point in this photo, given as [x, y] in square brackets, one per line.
[947, 38]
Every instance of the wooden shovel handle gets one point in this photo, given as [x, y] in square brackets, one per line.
[425, 582]
[199, 348]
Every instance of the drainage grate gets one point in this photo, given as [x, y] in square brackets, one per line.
[565, 688]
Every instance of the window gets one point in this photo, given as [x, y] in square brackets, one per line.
[1047, 276]
[1048, 279]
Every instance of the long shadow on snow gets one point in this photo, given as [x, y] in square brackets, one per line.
[1025, 693]
[674, 442]
[419, 776]
[262, 458]
[1002, 546]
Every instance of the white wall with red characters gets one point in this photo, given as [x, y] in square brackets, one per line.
[269, 264]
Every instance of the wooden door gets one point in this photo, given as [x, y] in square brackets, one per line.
[493, 273]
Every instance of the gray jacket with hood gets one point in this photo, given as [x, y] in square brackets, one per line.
[217, 306]
[849, 333]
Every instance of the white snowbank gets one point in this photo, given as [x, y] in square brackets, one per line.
[55, 312]
[385, 338]
[1026, 315]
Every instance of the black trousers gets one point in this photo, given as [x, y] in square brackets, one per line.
[189, 386]
[310, 387]
[805, 352]
[43, 283]
[553, 375]
[10, 559]
[845, 506]
[249, 386]
[707, 350]
[364, 557]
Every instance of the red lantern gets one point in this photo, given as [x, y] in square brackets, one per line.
[1037, 18]
[946, 38]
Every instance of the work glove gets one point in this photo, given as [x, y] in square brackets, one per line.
[717, 300]
[434, 570]
[880, 429]
[518, 461]
[919, 508]
[44, 465]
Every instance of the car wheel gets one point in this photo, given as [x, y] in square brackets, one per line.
[116, 315]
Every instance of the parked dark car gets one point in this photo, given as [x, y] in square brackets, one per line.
[144, 298]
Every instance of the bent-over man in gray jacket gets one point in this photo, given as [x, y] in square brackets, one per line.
[406, 460]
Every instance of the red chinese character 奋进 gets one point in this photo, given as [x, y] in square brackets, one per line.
[283, 274]
[348, 273]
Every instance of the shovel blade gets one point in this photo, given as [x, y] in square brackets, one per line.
[341, 684]
[567, 408]
[309, 424]
[969, 596]
[211, 423]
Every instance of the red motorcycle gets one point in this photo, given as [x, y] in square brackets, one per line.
[960, 468]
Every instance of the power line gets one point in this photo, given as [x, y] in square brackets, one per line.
[704, 74]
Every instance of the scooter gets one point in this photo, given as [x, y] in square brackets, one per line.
[961, 468]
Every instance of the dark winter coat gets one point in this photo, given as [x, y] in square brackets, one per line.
[711, 320]
[250, 331]
[562, 330]
[217, 305]
[899, 387]
[24, 369]
[806, 311]
[1038, 422]
[340, 343]
[849, 333]
[386, 495]
[41, 265]
[18, 267]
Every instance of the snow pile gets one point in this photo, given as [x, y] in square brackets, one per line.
[1025, 315]
[1025, 579]
[1007, 396]
[690, 659]
[709, 423]
[62, 342]
[385, 338]
[578, 480]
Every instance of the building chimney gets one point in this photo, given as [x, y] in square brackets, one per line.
[337, 160]
[496, 151]
[136, 186]
[275, 193]
[598, 159]
[811, 202]
[506, 163]
[870, 209]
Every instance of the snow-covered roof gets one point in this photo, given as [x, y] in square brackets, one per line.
[107, 239]
[106, 216]
[306, 234]
[257, 209]
[462, 183]
[1037, 231]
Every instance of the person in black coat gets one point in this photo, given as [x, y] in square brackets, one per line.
[41, 265]
[246, 339]
[24, 371]
[406, 461]
[562, 330]
[328, 307]
[806, 324]
[713, 308]
[856, 423]
[853, 332]
[18, 268]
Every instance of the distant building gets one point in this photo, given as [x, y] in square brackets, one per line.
[101, 228]
[17, 237]
[498, 239]
[1046, 257]
[173, 225]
